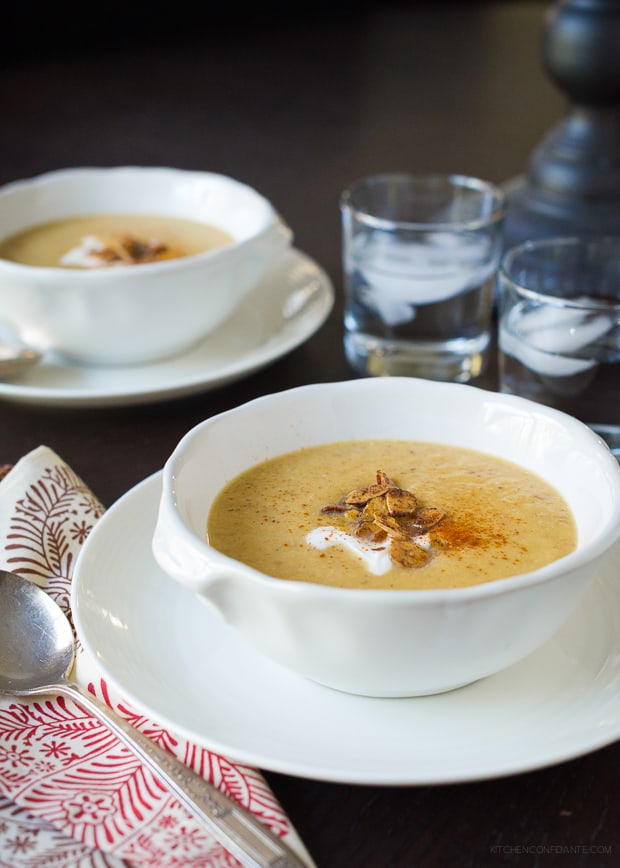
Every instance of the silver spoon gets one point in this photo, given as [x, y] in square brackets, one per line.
[14, 359]
[36, 655]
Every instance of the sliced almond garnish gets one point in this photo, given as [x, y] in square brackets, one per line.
[370, 531]
[406, 553]
[385, 512]
[376, 506]
[401, 502]
[133, 251]
[428, 517]
[383, 479]
[392, 526]
[361, 496]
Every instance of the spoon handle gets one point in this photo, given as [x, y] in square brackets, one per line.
[235, 828]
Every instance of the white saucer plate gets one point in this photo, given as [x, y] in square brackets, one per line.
[176, 661]
[289, 304]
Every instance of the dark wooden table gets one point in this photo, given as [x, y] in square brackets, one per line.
[298, 106]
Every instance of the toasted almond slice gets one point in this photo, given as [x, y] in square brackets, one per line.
[383, 479]
[369, 531]
[428, 517]
[401, 502]
[438, 540]
[391, 525]
[374, 507]
[361, 496]
[407, 554]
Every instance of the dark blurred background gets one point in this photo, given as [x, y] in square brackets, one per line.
[36, 27]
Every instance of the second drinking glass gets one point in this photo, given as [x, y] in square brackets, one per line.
[419, 258]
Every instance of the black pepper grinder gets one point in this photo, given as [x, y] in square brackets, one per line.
[572, 183]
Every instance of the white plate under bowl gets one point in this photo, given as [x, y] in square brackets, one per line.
[290, 303]
[177, 662]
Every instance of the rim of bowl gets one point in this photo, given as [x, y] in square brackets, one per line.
[586, 552]
[178, 264]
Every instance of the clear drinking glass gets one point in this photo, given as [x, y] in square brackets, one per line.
[420, 254]
[559, 328]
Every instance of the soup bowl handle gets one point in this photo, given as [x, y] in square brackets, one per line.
[274, 240]
[179, 559]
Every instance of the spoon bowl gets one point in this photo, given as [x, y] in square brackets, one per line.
[36, 654]
[48, 654]
[15, 359]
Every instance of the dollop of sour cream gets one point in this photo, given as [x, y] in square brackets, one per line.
[376, 557]
[86, 254]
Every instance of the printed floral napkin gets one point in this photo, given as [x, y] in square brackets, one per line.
[70, 793]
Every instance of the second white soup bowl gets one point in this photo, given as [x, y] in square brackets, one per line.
[133, 314]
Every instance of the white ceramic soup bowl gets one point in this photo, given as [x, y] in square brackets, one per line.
[134, 313]
[387, 642]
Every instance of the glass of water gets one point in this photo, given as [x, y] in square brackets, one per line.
[420, 255]
[559, 328]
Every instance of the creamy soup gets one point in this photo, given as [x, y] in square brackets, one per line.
[100, 240]
[391, 514]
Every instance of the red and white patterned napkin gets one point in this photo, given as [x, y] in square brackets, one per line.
[71, 795]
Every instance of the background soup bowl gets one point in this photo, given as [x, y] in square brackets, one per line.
[384, 642]
[134, 313]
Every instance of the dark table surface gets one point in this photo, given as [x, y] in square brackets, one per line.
[298, 105]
